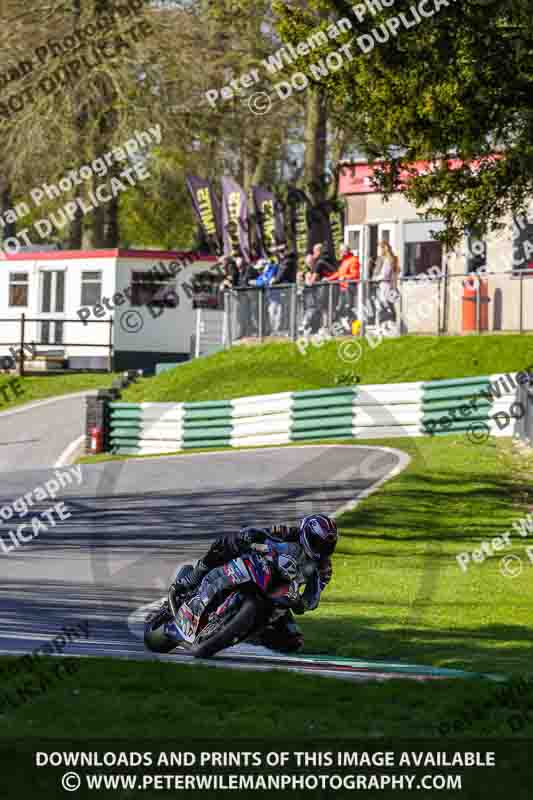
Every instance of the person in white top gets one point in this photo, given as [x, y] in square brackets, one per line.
[386, 273]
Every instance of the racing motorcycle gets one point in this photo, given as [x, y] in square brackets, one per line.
[233, 602]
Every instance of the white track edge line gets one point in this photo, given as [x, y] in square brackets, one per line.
[404, 461]
[63, 459]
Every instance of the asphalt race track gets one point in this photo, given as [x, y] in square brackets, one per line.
[35, 435]
[133, 523]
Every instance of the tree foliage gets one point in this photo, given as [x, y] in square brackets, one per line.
[162, 78]
[456, 85]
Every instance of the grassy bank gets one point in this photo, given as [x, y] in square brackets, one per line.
[41, 387]
[281, 367]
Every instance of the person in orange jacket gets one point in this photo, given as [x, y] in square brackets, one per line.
[349, 268]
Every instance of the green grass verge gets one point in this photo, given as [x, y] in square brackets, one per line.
[41, 387]
[398, 591]
[281, 367]
[114, 706]
[108, 699]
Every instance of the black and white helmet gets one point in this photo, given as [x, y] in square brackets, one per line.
[318, 536]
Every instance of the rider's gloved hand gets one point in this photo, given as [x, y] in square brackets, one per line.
[297, 603]
[252, 538]
[298, 606]
[325, 572]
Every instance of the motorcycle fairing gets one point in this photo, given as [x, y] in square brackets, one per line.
[174, 632]
[236, 571]
[215, 582]
[258, 570]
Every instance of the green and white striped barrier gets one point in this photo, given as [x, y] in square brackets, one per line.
[362, 411]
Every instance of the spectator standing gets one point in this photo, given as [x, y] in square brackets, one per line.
[349, 270]
[252, 272]
[387, 269]
[231, 273]
[286, 278]
[320, 265]
[309, 313]
[287, 265]
[240, 273]
[321, 269]
[268, 275]
[349, 267]
[242, 298]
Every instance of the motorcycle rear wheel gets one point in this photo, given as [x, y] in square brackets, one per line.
[236, 630]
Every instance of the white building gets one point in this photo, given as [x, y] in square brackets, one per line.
[84, 306]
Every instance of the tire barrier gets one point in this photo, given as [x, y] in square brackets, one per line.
[362, 411]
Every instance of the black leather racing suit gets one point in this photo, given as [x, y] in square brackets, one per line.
[284, 634]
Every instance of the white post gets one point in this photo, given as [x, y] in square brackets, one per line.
[363, 283]
[198, 330]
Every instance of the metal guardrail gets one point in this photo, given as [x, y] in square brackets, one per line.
[22, 341]
[525, 424]
[490, 302]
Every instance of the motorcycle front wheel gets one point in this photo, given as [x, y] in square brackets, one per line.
[235, 630]
[155, 638]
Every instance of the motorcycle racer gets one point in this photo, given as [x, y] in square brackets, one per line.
[317, 534]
